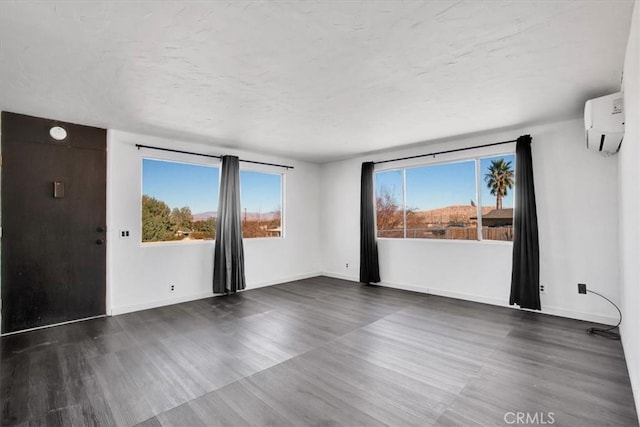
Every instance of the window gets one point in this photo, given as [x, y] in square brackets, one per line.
[179, 201]
[440, 201]
[261, 204]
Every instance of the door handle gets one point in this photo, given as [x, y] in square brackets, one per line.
[99, 242]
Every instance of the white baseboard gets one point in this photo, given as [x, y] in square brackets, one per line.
[340, 276]
[282, 280]
[555, 311]
[158, 303]
[580, 315]
[52, 325]
[192, 297]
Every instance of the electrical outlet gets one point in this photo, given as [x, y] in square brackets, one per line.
[346, 265]
[542, 289]
[582, 288]
[125, 234]
[172, 288]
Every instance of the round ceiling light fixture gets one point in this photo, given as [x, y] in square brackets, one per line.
[58, 133]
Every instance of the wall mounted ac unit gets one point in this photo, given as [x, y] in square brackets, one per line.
[604, 123]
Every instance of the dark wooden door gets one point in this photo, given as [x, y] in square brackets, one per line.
[53, 245]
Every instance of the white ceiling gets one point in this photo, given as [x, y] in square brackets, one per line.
[316, 80]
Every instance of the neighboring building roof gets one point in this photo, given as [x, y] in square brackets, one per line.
[499, 214]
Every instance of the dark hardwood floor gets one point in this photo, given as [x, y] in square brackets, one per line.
[316, 352]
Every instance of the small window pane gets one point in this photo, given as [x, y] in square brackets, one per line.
[497, 188]
[179, 201]
[389, 204]
[261, 203]
[441, 201]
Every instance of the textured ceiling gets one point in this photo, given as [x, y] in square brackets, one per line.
[316, 80]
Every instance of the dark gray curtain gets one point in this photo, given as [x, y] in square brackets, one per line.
[525, 289]
[228, 260]
[369, 268]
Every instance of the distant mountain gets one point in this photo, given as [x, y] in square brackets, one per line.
[253, 216]
[205, 215]
[250, 216]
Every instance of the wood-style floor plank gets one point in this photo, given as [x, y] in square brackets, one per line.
[318, 351]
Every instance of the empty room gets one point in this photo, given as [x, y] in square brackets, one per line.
[320, 213]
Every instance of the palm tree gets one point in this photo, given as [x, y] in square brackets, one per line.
[499, 179]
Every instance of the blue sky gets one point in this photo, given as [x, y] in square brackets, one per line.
[441, 185]
[260, 192]
[196, 186]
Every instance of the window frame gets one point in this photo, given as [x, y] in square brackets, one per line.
[268, 171]
[214, 163]
[478, 177]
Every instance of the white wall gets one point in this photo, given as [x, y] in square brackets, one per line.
[629, 167]
[576, 194]
[139, 275]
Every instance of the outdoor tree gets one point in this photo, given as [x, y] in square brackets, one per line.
[276, 219]
[205, 225]
[265, 225]
[156, 220]
[389, 215]
[499, 179]
[204, 228]
[182, 218]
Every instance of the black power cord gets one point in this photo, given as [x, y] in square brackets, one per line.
[607, 333]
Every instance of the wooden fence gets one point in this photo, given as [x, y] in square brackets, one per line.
[451, 233]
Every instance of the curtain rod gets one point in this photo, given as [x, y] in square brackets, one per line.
[139, 146]
[445, 152]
